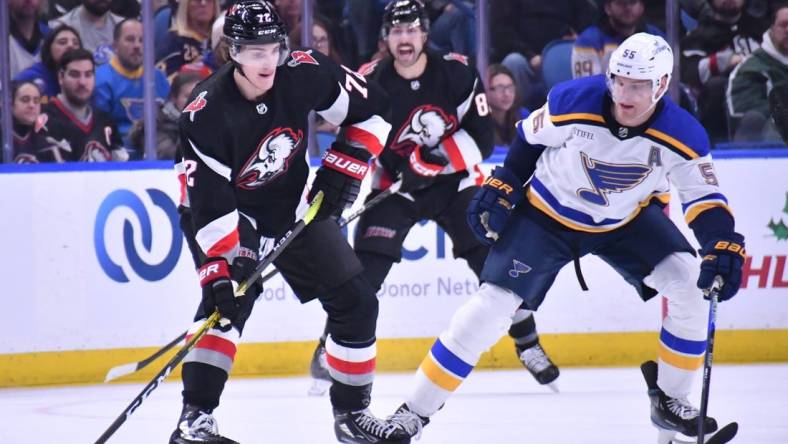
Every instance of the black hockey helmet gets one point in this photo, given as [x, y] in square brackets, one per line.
[255, 22]
[399, 12]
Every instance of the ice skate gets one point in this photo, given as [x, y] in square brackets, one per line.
[197, 426]
[318, 370]
[409, 422]
[361, 427]
[538, 364]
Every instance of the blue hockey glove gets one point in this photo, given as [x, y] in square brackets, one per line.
[490, 207]
[723, 257]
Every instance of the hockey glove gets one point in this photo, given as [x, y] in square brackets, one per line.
[424, 165]
[217, 290]
[723, 257]
[490, 207]
[339, 178]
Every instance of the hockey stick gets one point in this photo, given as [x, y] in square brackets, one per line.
[213, 319]
[728, 432]
[127, 369]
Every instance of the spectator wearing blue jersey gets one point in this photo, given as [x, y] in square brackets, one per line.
[119, 88]
[505, 104]
[44, 73]
[592, 49]
[187, 41]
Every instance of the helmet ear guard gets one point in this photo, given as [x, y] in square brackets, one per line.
[642, 56]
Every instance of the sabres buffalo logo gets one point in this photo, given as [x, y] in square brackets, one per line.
[270, 159]
[427, 125]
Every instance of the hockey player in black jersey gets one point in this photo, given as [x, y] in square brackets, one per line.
[244, 171]
[441, 131]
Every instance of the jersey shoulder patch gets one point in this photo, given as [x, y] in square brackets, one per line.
[299, 57]
[680, 131]
[578, 99]
[369, 67]
[456, 57]
[196, 105]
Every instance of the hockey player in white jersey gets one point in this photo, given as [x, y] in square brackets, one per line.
[597, 155]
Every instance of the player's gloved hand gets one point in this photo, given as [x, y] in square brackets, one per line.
[723, 256]
[217, 290]
[339, 178]
[490, 207]
[424, 165]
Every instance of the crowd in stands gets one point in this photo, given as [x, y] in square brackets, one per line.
[77, 70]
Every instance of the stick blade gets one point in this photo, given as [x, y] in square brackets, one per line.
[121, 370]
[725, 434]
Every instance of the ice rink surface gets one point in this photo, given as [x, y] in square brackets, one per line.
[595, 406]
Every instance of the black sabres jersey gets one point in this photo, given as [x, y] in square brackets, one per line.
[242, 157]
[74, 140]
[445, 107]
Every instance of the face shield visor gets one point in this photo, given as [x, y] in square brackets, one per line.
[259, 55]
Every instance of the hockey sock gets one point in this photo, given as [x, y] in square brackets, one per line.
[682, 341]
[523, 329]
[207, 366]
[475, 327]
[352, 365]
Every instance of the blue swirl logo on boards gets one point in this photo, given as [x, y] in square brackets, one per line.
[126, 198]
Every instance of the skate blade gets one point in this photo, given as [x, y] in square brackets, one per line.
[554, 387]
[673, 437]
[319, 387]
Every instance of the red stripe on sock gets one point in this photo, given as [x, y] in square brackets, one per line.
[351, 368]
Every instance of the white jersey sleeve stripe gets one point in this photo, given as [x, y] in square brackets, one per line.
[337, 112]
[461, 150]
[466, 104]
[216, 166]
[371, 134]
[220, 237]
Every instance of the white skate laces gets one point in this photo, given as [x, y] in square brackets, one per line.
[204, 424]
[535, 358]
[682, 408]
[373, 425]
[408, 421]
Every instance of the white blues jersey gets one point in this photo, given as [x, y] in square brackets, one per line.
[595, 175]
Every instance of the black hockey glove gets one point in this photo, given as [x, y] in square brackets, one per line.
[424, 165]
[339, 178]
[490, 207]
[217, 290]
[723, 256]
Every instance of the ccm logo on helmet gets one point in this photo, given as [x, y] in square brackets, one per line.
[345, 164]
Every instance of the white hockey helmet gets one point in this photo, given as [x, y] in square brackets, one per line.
[642, 56]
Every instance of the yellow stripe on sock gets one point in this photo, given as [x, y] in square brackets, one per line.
[438, 376]
[690, 363]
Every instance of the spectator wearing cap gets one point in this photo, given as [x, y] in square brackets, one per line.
[752, 81]
[119, 85]
[622, 18]
[44, 73]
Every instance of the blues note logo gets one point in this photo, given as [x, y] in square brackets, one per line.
[609, 178]
[518, 269]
